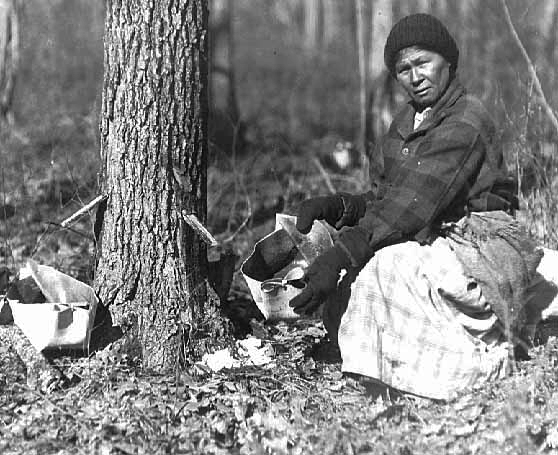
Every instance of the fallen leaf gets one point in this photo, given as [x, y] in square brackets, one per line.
[552, 438]
[497, 436]
[464, 430]
[258, 329]
[220, 359]
[432, 429]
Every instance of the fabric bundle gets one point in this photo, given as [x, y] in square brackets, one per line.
[496, 251]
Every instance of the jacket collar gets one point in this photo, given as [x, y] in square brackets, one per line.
[405, 120]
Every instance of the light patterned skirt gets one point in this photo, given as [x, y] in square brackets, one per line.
[414, 321]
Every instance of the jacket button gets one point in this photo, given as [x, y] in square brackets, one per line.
[405, 151]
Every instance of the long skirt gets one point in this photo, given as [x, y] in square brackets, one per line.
[414, 321]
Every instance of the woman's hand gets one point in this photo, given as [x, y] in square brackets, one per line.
[321, 280]
[341, 209]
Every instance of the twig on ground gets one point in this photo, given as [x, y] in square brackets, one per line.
[43, 396]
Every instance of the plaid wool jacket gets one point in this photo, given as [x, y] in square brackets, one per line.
[449, 165]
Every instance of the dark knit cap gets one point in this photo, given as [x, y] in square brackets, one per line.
[420, 30]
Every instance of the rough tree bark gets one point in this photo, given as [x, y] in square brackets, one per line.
[9, 55]
[152, 268]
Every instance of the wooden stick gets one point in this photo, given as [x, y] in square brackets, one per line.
[325, 175]
[531, 67]
[83, 210]
[201, 230]
[75, 231]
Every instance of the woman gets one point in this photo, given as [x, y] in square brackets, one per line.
[439, 269]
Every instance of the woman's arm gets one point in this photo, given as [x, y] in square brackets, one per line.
[426, 184]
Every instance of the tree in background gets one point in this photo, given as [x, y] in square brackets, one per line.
[225, 128]
[362, 32]
[332, 21]
[382, 99]
[374, 21]
[311, 25]
[381, 22]
[9, 55]
[152, 268]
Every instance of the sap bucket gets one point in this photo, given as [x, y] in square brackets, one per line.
[276, 266]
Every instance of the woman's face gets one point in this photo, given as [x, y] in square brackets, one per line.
[423, 74]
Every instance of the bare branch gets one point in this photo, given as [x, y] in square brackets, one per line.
[531, 67]
[325, 175]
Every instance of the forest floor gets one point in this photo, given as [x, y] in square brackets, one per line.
[297, 402]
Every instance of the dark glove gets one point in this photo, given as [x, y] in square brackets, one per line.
[490, 202]
[321, 280]
[341, 209]
[501, 196]
[508, 191]
[497, 199]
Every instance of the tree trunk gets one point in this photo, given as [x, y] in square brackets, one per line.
[382, 20]
[226, 132]
[380, 100]
[464, 32]
[9, 55]
[423, 6]
[152, 268]
[362, 48]
[287, 12]
[40, 372]
[550, 52]
[402, 8]
[440, 9]
[311, 25]
[487, 50]
[231, 99]
[331, 21]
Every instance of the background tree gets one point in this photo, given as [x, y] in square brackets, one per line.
[381, 22]
[381, 98]
[311, 25]
[152, 268]
[225, 128]
[332, 21]
[362, 32]
[9, 55]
